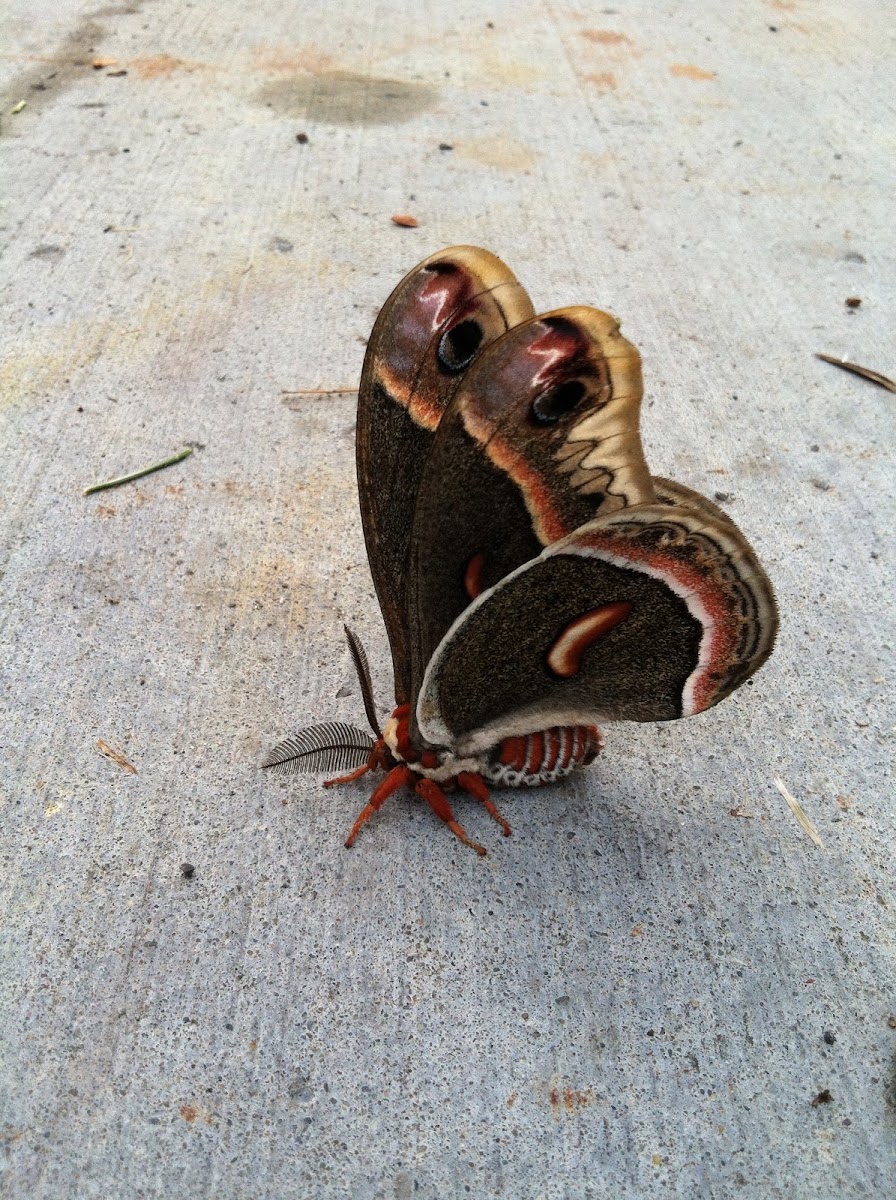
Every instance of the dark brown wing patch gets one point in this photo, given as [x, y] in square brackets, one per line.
[432, 327]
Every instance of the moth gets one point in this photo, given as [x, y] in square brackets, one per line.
[534, 578]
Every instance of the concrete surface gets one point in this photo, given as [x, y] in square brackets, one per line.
[640, 993]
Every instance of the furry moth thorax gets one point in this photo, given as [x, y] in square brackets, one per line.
[534, 577]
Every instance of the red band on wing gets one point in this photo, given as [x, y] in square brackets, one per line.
[565, 656]
[706, 600]
[547, 521]
[401, 390]
[473, 576]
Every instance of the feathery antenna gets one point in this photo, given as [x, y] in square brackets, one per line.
[359, 658]
[325, 748]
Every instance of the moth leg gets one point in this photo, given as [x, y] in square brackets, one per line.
[377, 759]
[396, 779]
[474, 786]
[438, 802]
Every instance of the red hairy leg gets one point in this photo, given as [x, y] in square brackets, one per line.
[377, 759]
[474, 785]
[438, 802]
[396, 779]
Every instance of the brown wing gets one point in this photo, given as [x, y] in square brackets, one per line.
[540, 436]
[649, 614]
[433, 326]
[668, 491]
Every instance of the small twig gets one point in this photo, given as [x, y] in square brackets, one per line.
[318, 392]
[797, 809]
[166, 462]
[864, 372]
[105, 748]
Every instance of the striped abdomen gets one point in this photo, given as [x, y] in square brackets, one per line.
[543, 757]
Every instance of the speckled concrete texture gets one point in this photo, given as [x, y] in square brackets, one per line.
[644, 990]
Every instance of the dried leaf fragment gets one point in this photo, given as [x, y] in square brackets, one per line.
[797, 809]
[116, 756]
[689, 71]
[864, 372]
[405, 220]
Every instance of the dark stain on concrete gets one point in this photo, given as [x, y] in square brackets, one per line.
[47, 251]
[42, 83]
[346, 98]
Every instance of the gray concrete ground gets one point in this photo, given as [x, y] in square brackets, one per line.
[641, 993]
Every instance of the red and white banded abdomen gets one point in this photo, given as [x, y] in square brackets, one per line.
[543, 757]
